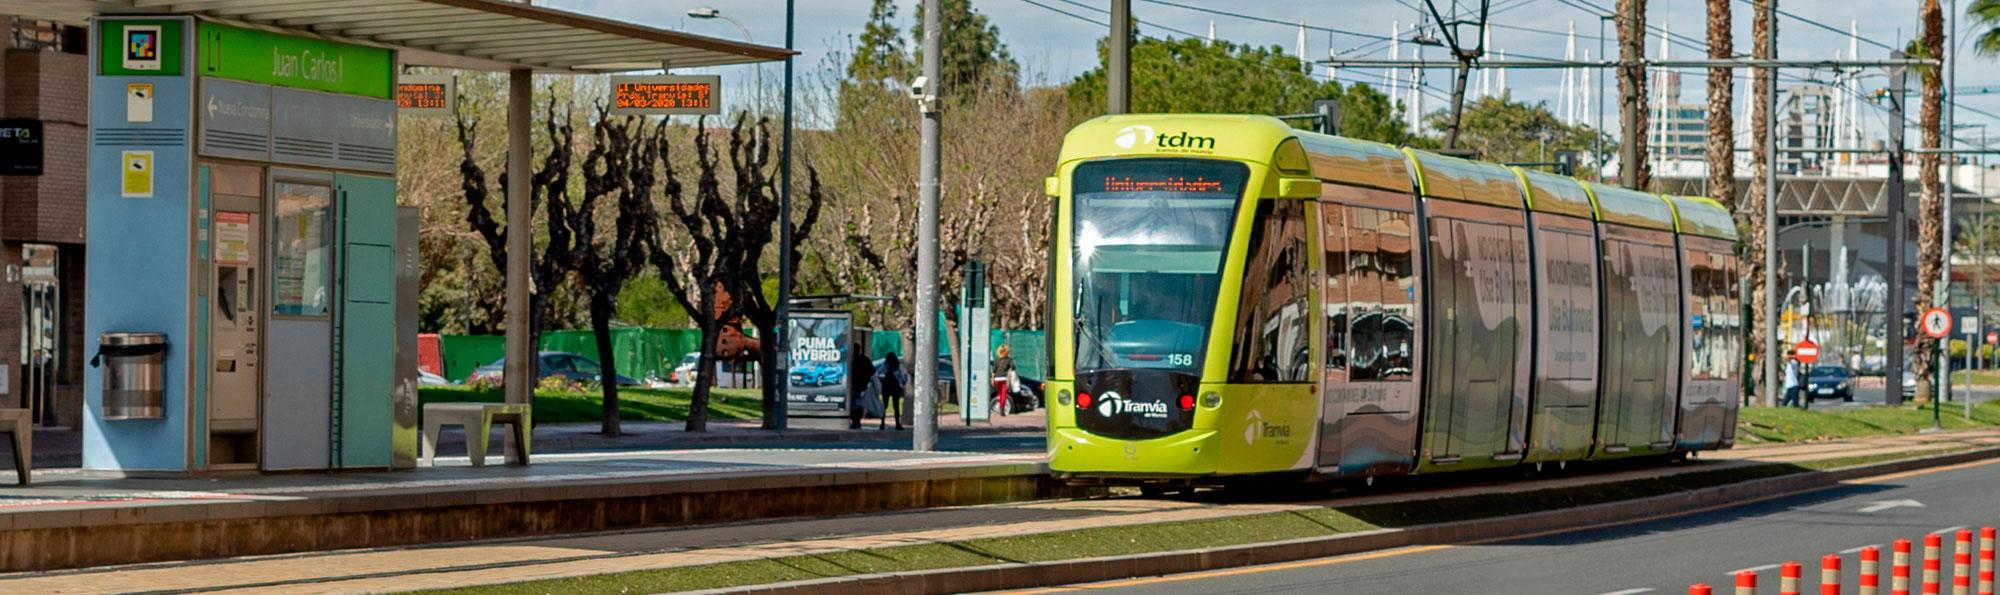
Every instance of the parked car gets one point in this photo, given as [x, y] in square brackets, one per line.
[426, 378]
[945, 373]
[684, 372]
[569, 366]
[1830, 382]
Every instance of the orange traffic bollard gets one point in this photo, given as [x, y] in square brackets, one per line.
[1788, 578]
[1829, 574]
[1700, 589]
[1933, 543]
[1871, 571]
[1961, 564]
[1746, 583]
[1899, 568]
[1986, 561]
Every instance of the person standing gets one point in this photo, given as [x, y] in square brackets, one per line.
[1003, 379]
[1791, 380]
[893, 381]
[859, 372]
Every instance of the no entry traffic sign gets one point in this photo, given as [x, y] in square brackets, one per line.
[1806, 351]
[1936, 323]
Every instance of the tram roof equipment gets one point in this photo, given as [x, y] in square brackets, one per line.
[1631, 207]
[1703, 216]
[1464, 180]
[1358, 162]
[1562, 195]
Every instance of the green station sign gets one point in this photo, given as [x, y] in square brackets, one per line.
[257, 56]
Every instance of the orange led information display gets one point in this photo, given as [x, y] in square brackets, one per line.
[424, 94]
[421, 96]
[666, 95]
[1168, 184]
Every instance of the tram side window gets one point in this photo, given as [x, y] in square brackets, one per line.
[1335, 292]
[1382, 294]
[1272, 329]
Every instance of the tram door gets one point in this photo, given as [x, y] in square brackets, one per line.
[41, 329]
[1478, 381]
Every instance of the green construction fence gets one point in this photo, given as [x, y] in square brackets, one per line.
[652, 351]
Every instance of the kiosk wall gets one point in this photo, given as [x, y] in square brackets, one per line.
[242, 202]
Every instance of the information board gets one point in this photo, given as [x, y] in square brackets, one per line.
[817, 372]
[695, 95]
[425, 94]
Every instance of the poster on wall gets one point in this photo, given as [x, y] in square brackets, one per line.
[817, 372]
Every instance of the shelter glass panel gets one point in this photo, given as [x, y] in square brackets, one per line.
[302, 250]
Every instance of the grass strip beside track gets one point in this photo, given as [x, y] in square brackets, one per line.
[1151, 538]
[1785, 424]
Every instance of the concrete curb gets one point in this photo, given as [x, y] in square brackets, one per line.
[1048, 574]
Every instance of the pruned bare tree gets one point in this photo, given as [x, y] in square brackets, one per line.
[756, 204]
[622, 165]
[548, 187]
[700, 277]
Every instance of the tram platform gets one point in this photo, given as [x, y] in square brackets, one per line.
[69, 519]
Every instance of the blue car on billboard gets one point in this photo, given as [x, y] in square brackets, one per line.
[818, 374]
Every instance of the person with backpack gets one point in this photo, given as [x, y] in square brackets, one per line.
[893, 381]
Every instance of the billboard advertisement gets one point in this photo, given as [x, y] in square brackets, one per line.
[817, 372]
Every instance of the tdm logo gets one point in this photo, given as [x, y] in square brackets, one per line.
[1111, 403]
[1139, 135]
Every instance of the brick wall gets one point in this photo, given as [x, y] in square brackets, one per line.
[53, 87]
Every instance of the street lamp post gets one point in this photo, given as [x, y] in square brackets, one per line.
[708, 12]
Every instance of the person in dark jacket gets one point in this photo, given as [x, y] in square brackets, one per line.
[893, 382]
[859, 370]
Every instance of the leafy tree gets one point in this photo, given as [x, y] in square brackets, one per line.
[1194, 76]
[645, 302]
[1504, 130]
[973, 51]
[880, 55]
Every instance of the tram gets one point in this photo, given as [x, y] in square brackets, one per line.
[1232, 298]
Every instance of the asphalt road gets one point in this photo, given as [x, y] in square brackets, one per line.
[1651, 557]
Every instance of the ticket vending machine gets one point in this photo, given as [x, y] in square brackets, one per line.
[243, 203]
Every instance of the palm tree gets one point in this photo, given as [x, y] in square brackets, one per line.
[1632, 93]
[1721, 121]
[1753, 213]
[1930, 206]
[1986, 13]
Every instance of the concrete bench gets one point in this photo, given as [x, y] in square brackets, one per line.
[20, 424]
[478, 420]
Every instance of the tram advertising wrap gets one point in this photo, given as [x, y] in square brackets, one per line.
[818, 372]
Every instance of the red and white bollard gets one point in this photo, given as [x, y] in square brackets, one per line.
[1871, 571]
[1700, 589]
[1933, 544]
[1788, 578]
[1961, 564]
[1829, 574]
[1986, 561]
[1899, 568]
[1746, 583]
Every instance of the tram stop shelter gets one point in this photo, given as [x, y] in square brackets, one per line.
[242, 211]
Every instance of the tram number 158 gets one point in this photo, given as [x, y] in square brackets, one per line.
[1180, 359]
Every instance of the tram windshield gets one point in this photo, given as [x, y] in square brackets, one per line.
[1148, 237]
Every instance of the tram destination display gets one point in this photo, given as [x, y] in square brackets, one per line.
[670, 95]
[817, 372]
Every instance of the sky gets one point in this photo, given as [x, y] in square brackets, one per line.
[1056, 46]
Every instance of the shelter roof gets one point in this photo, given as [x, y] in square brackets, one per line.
[470, 34]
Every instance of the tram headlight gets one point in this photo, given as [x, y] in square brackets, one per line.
[1062, 397]
[1211, 400]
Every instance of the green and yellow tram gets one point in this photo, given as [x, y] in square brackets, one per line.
[1235, 298]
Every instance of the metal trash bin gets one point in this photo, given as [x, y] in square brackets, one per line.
[134, 374]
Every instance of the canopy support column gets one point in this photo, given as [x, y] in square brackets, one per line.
[520, 369]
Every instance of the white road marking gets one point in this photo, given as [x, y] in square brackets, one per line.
[1948, 530]
[1753, 569]
[1629, 591]
[1881, 505]
[1855, 550]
